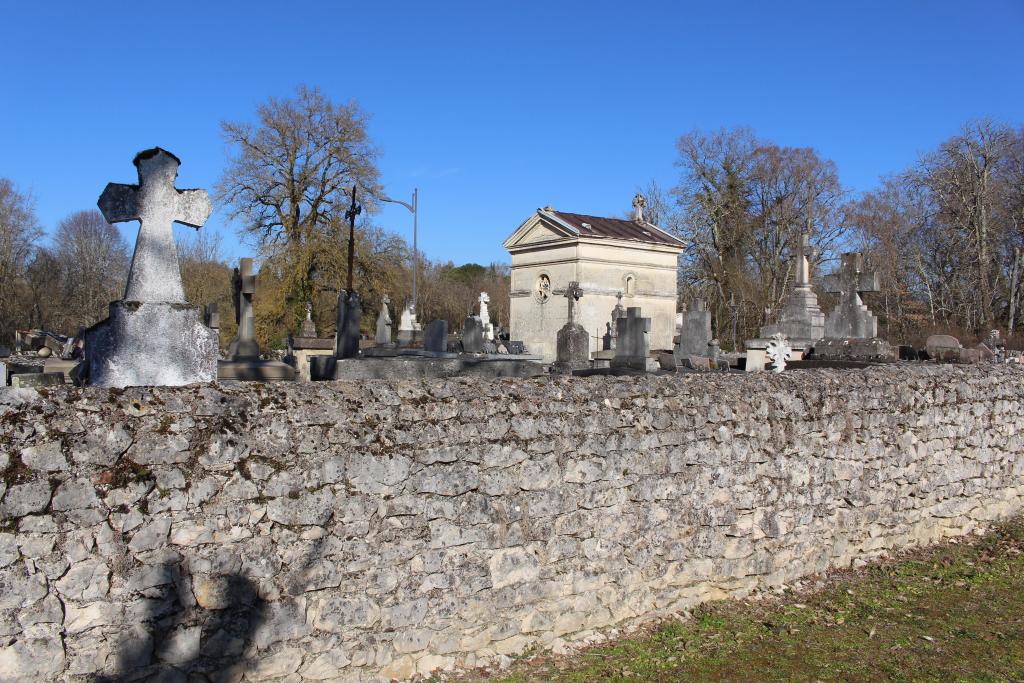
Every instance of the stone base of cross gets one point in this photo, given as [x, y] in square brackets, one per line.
[151, 344]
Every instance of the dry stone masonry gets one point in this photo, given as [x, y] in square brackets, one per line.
[361, 530]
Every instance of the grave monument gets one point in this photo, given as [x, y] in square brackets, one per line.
[408, 328]
[694, 332]
[633, 342]
[573, 343]
[801, 319]
[153, 336]
[383, 337]
[243, 283]
[485, 317]
[244, 362]
[851, 331]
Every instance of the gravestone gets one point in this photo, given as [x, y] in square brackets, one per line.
[472, 335]
[485, 317]
[851, 319]
[244, 363]
[407, 326]
[572, 341]
[801, 319]
[435, 336]
[211, 316]
[633, 342]
[346, 344]
[244, 346]
[608, 340]
[943, 348]
[618, 311]
[308, 329]
[383, 337]
[153, 336]
[37, 379]
[694, 331]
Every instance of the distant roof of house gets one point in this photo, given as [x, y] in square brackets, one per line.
[615, 228]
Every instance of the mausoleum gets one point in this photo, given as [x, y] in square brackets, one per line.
[606, 256]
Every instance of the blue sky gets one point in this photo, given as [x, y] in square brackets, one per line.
[493, 109]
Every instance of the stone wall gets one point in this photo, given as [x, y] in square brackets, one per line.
[344, 531]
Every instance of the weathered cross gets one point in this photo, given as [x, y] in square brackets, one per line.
[155, 203]
[573, 293]
[851, 318]
[852, 279]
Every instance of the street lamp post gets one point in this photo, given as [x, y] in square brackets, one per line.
[414, 208]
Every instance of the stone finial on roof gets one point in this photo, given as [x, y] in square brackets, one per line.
[639, 202]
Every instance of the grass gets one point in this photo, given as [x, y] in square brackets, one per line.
[951, 612]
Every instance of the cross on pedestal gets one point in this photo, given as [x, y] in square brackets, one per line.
[244, 346]
[851, 318]
[573, 293]
[155, 203]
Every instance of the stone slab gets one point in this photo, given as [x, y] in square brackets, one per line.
[37, 379]
[871, 350]
[317, 343]
[412, 367]
[255, 371]
[60, 365]
[819, 364]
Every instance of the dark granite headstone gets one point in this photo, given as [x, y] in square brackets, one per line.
[211, 316]
[473, 335]
[5, 351]
[350, 314]
[435, 336]
[908, 353]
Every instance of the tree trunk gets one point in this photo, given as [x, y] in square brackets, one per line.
[1014, 294]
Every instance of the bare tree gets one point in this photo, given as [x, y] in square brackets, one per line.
[93, 260]
[744, 204]
[19, 230]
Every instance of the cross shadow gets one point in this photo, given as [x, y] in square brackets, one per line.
[162, 643]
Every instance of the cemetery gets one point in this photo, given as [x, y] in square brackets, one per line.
[376, 509]
[511, 342]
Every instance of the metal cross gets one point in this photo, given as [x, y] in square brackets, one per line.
[353, 211]
[155, 203]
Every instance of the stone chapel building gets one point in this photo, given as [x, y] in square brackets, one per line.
[608, 257]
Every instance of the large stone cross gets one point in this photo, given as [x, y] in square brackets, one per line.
[851, 318]
[852, 279]
[155, 203]
[573, 293]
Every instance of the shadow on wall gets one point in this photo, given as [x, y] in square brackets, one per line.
[173, 636]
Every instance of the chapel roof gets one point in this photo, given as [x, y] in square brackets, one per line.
[615, 228]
